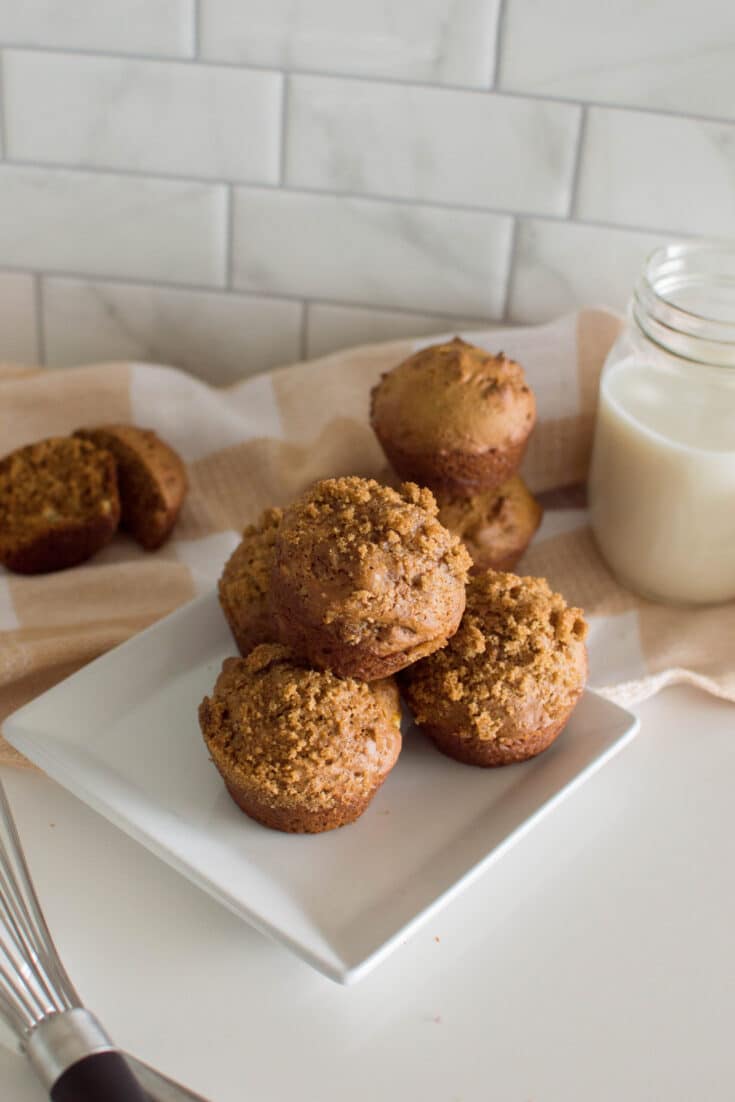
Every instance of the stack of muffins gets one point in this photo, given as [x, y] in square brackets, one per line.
[356, 582]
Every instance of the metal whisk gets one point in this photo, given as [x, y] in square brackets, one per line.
[67, 1047]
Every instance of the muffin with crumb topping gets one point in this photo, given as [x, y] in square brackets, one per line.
[244, 587]
[454, 417]
[365, 579]
[505, 685]
[299, 749]
[59, 504]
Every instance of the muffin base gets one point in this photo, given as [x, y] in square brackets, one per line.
[361, 661]
[488, 753]
[296, 820]
[247, 636]
[461, 474]
[62, 548]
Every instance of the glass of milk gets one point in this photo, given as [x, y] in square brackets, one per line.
[662, 478]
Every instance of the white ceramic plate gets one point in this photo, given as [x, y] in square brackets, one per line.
[122, 734]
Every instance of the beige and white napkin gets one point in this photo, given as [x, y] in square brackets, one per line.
[264, 440]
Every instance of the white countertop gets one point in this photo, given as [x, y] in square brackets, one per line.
[594, 963]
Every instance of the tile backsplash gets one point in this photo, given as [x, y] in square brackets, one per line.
[227, 185]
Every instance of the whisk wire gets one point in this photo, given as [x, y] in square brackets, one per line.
[9, 1013]
[20, 940]
[33, 982]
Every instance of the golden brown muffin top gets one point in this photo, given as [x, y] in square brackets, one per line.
[45, 484]
[454, 396]
[494, 521]
[371, 561]
[518, 661]
[246, 576]
[299, 735]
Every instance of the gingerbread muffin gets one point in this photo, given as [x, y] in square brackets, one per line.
[152, 480]
[59, 504]
[299, 749]
[454, 418]
[245, 584]
[507, 682]
[365, 578]
[496, 526]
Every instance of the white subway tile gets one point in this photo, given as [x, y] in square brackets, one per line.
[149, 116]
[560, 266]
[102, 224]
[371, 252]
[658, 172]
[18, 342]
[218, 337]
[121, 26]
[663, 53]
[431, 144]
[443, 41]
[329, 327]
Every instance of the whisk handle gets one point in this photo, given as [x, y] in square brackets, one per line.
[101, 1077]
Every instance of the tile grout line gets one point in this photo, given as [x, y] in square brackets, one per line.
[367, 197]
[290, 189]
[3, 97]
[40, 326]
[304, 333]
[196, 27]
[401, 82]
[577, 169]
[511, 268]
[285, 96]
[229, 237]
[499, 32]
[223, 292]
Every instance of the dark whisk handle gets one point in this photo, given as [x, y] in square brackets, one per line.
[77, 1062]
[101, 1077]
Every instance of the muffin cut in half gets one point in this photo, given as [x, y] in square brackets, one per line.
[454, 417]
[244, 587]
[496, 526]
[299, 750]
[152, 480]
[507, 682]
[365, 579]
[59, 504]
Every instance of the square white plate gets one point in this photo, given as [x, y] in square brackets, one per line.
[122, 734]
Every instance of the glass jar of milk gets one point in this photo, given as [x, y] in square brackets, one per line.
[662, 479]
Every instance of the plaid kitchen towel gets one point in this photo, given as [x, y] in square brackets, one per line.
[263, 440]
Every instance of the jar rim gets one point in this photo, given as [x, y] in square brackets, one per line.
[698, 269]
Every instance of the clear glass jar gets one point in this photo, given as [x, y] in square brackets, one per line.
[662, 478]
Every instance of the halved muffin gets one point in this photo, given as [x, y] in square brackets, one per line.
[59, 504]
[152, 480]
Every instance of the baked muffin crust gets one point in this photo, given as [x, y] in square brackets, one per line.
[453, 416]
[299, 749]
[244, 587]
[365, 578]
[496, 526]
[59, 504]
[505, 685]
[152, 480]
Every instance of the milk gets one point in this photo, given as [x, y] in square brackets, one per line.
[662, 480]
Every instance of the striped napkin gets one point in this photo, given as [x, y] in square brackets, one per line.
[262, 441]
